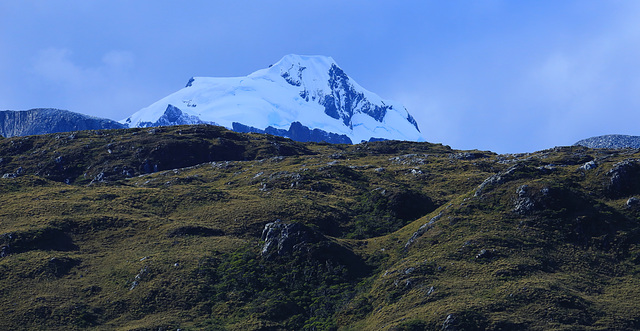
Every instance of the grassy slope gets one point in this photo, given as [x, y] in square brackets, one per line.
[567, 261]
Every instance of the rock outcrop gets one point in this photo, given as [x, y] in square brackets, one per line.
[281, 239]
[285, 241]
[624, 178]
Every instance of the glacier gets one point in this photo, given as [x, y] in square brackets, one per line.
[308, 94]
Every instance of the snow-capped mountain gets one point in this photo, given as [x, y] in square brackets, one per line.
[306, 98]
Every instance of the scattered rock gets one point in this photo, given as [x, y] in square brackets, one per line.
[15, 174]
[136, 280]
[409, 159]
[98, 178]
[468, 156]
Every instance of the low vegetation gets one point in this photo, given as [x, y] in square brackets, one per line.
[200, 228]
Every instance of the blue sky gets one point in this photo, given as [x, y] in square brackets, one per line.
[507, 76]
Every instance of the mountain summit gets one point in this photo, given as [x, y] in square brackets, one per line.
[306, 98]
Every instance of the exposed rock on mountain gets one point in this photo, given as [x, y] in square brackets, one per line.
[282, 238]
[624, 178]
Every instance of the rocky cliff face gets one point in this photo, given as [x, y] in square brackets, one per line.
[42, 121]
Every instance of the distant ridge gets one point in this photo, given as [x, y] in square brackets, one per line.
[613, 141]
[48, 120]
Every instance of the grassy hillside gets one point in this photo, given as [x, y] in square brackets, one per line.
[197, 227]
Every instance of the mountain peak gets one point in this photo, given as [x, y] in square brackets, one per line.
[309, 90]
[295, 68]
[305, 60]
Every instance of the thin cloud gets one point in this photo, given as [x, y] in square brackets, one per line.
[56, 65]
[589, 87]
